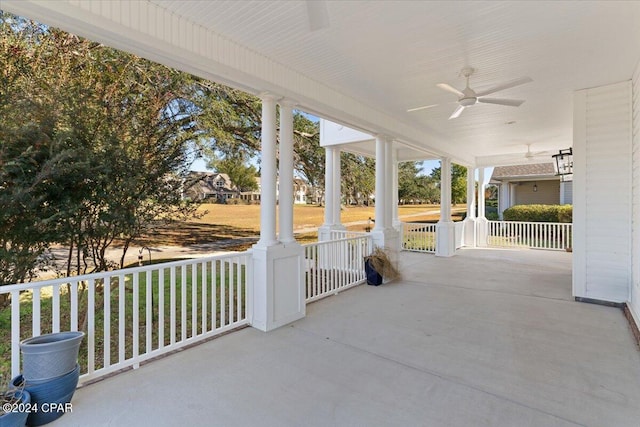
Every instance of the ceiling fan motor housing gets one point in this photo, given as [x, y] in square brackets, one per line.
[469, 97]
[467, 101]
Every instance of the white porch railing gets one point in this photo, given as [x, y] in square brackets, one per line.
[134, 314]
[346, 234]
[335, 265]
[418, 237]
[538, 235]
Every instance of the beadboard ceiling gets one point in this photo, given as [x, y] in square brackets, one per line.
[389, 56]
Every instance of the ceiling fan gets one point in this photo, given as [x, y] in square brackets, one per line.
[468, 97]
[530, 155]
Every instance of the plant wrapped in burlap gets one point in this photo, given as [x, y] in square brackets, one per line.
[380, 262]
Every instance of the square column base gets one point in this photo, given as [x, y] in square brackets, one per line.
[277, 286]
[482, 232]
[469, 235]
[445, 239]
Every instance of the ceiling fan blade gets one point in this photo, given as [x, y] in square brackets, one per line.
[507, 85]
[422, 108]
[451, 89]
[318, 14]
[457, 112]
[509, 102]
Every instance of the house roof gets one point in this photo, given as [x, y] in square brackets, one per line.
[536, 170]
[205, 180]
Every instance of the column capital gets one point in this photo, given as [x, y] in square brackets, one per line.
[384, 137]
[268, 96]
[287, 102]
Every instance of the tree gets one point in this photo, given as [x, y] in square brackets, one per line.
[309, 156]
[232, 119]
[408, 183]
[358, 177]
[26, 128]
[458, 182]
[94, 146]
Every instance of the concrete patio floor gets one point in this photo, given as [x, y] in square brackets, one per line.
[486, 338]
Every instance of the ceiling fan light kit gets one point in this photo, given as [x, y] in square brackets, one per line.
[468, 97]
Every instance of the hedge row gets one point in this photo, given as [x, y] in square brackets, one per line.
[539, 213]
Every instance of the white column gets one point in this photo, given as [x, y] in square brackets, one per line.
[286, 172]
[481, 194]
[445, 229]
[337, 189]
[445, 189]
[275, 276]
[268, 173]
[324, 232]
[482, 225]
[564, 200]
[383, 235]
[504, 199]
[471, 192]
[380, 183]
[395, 220]
[328, 186]
[388, 187]
[470, 220]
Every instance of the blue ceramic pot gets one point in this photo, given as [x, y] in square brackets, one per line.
[17, 419]
[51, 355]
[49, 397]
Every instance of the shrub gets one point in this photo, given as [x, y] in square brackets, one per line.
[565, 213]
[539, 213]
[492, 216]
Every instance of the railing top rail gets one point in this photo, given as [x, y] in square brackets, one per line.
[131, 270]
[360, 233]
[528, 222]
[366, 236]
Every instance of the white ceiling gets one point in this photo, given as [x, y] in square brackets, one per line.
[389, 55]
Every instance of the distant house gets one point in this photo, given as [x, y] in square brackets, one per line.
[210, 186]
[300, 189]
[303, 192]
[530, 184]
[254, 195]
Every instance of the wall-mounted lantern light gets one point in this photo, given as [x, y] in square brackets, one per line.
[563, 164]
[535, 187]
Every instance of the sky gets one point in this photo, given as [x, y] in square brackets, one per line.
[200, 165]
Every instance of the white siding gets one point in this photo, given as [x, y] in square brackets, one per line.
[566, 193]
[602, 193]
[635, 288]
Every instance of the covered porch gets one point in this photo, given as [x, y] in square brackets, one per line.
[489, 337]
